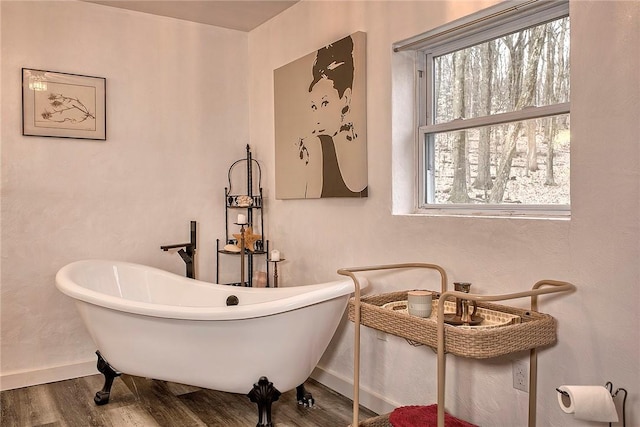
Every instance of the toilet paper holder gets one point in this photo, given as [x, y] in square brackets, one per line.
[609, 386]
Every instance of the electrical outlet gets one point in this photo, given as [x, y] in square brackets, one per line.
[521, 376]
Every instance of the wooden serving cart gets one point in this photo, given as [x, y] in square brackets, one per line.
[532, 330]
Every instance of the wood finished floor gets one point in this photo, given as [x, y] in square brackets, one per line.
[144, 402]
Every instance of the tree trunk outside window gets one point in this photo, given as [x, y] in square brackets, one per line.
[526, 98]
[483, 178]
[459, 193]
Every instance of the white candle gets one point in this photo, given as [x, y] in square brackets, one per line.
[242, 219]
[275, 255]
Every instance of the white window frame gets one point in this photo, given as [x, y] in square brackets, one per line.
[491, 23]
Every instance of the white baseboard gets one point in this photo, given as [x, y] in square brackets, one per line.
[19, 379]
[369, 399]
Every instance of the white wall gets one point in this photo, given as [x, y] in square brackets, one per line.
[174, 88]
[177, 116]
[597, 250]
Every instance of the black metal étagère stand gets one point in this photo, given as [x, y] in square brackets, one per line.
[248, 203]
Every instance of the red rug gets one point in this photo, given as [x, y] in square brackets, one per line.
[423, 416]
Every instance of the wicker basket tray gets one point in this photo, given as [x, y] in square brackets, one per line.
[534, 330]
[491, 318]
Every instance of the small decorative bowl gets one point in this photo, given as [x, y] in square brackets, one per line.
[231, 248]
[244, 201]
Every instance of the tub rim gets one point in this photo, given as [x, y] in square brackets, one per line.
[308, 295]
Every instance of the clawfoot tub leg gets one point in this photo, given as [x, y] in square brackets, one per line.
[304, 398]
[102, 396]
[264, 394]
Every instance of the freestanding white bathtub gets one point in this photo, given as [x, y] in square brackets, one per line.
[152, 323]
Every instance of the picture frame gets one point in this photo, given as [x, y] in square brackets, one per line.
[320, 122]
[63, 105]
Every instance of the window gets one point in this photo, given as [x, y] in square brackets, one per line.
[494, 113]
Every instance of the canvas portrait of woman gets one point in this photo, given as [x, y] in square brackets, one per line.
[320, 123]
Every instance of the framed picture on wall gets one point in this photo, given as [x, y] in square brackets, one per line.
[63, 105]
[320, 122]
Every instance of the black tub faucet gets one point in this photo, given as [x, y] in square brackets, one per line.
[187, 251]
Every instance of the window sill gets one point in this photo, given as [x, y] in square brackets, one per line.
[498, 212]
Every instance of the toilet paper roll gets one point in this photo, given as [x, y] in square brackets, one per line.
[586, 402]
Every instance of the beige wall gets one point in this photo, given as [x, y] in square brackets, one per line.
[598, 249]
[174, 88]
[177, 114]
